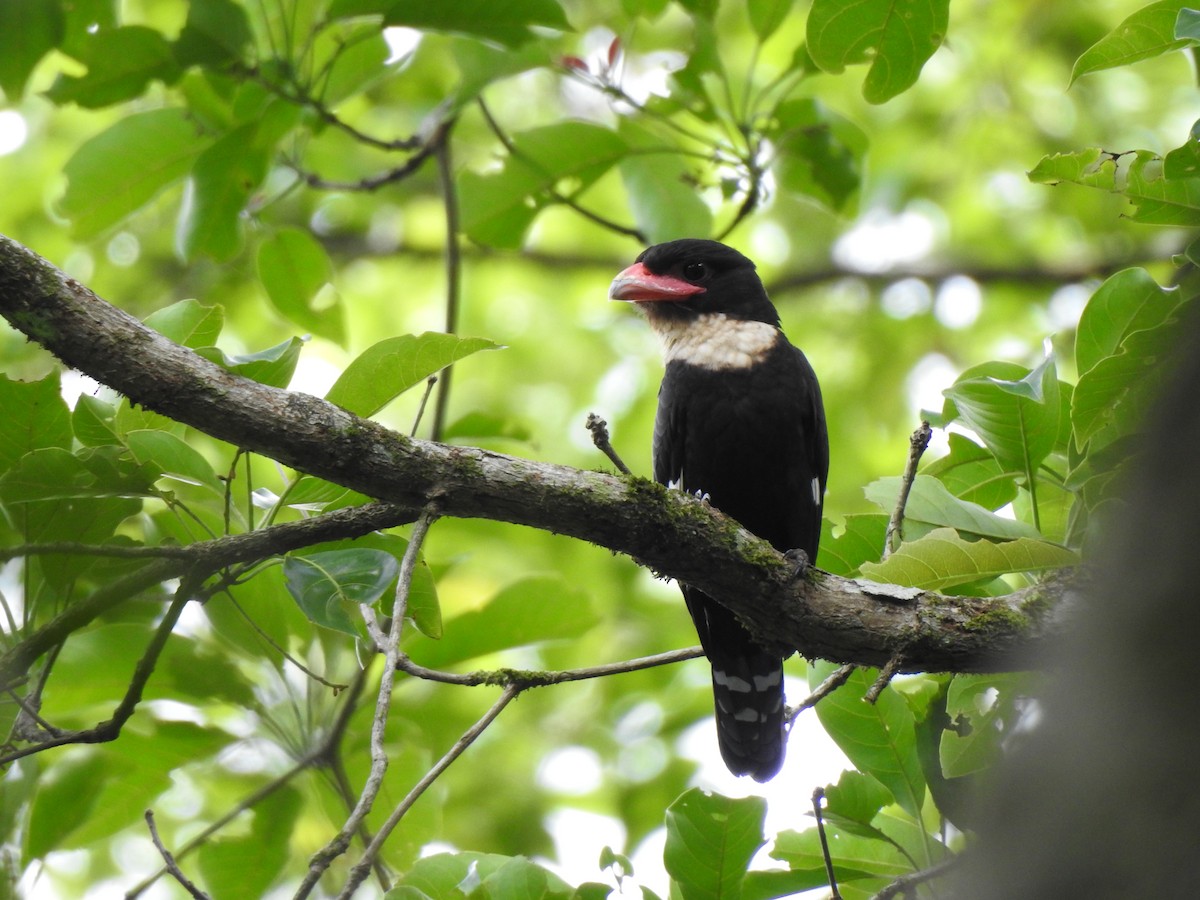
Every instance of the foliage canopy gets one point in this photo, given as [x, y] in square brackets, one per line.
[347, 197]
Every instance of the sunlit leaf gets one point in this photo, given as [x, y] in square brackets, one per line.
[896, 39]
[35, 415]
[188, 322]
[942, 559]
[387, 369]
[124, 167]
[711, 840]
[506, 22]
[1147, 33]
[29, 29]
[173, 457]
[329, 585]
[295, 270]
[121, 63]
[929, 501]
[971, 473]
[273, 366]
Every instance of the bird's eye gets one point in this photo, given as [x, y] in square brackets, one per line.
[695, 271]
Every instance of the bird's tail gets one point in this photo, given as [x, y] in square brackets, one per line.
[747, 689]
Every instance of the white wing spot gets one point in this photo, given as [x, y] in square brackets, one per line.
[816, 489]
[762, 682]
[733, 682]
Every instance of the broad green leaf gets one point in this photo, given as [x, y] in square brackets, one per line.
[29, 29]
[328, 586]
[879, 738]
[861, 540]
[1138, 175]
[529, 611]
[942, 559]
[387, 369]
[854, 857]
[767, 15]
[505, 22]
[819, 152]
[216, 32]
[273, 366]
[1187, 25]
[188, 322]
[125, 166]
[173, 457]
[1130, 300]
[445, 875]
[896, 39]
[121, 63]
[710, 842]
[1147, 33]
[1014, 411]
[154, 749]
[981, 705]
[857, 797]
[483, 64]
[1119, 389]
[931, 502]
[74, 782]
[361, 62]
[53, 473]
[245, 865]
[295, 271]
[971, 473]
[565, 157]
[522, 879]
[35, 415]
[94, 422]
[480, 425]
[661, 191]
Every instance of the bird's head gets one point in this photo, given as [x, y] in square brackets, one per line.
[687, 278]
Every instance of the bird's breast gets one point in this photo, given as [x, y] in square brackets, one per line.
[715, 342]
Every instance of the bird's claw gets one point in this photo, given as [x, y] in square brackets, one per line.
[801, 561]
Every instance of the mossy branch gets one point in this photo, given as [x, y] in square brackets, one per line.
[821, 616]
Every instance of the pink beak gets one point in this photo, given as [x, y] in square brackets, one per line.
[638, 284]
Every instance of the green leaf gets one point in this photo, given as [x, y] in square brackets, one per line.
[216, 32]
[1014, 411]
[942, 559]
[94, 422]
[329, 585]
[482, 64]
[521, 879]
[1187, 25]
[222, 180]
[819, 152]
[661, 190]
[273, 366]
[860, 540]
[188, 322]
[448, 875]
[53, 473]
[931, 503]
[879, 738]
[295, 271]
[480, 425]
[173, 457]
[387, 369]
[981, 705]
[1138, 175]
[124, 167]
[857, 797]
[767, 15]
[1129, 301]
[1147, 33]
[29, 29]
[35, 416]
[505, 22]
[896, 38]
[526, 612]
[855, 857]
[710, 842]
[566, 157]
[246, 865]
[121, 62]
[971, 473]
[73, 782]
[361, 62]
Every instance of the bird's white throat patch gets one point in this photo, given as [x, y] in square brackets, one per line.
[714, 341]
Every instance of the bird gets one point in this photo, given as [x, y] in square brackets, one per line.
[740, 424]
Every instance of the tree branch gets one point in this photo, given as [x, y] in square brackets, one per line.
[822, 616]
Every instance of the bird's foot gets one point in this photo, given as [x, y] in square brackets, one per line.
[800, 560]
[703, 497]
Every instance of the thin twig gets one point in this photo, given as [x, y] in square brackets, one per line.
[824, 689]
[885, 676]
[169, 860]
[917, 443]
[429, 383]
[113, 551]
[817, 798]
[379, 759]
[362, 868]
[557, 196]
[110, 729]
[599, 429]
[531, 679]
[445, 165]
[905, 883]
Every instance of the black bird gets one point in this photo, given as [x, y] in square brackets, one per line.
[740, 424]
